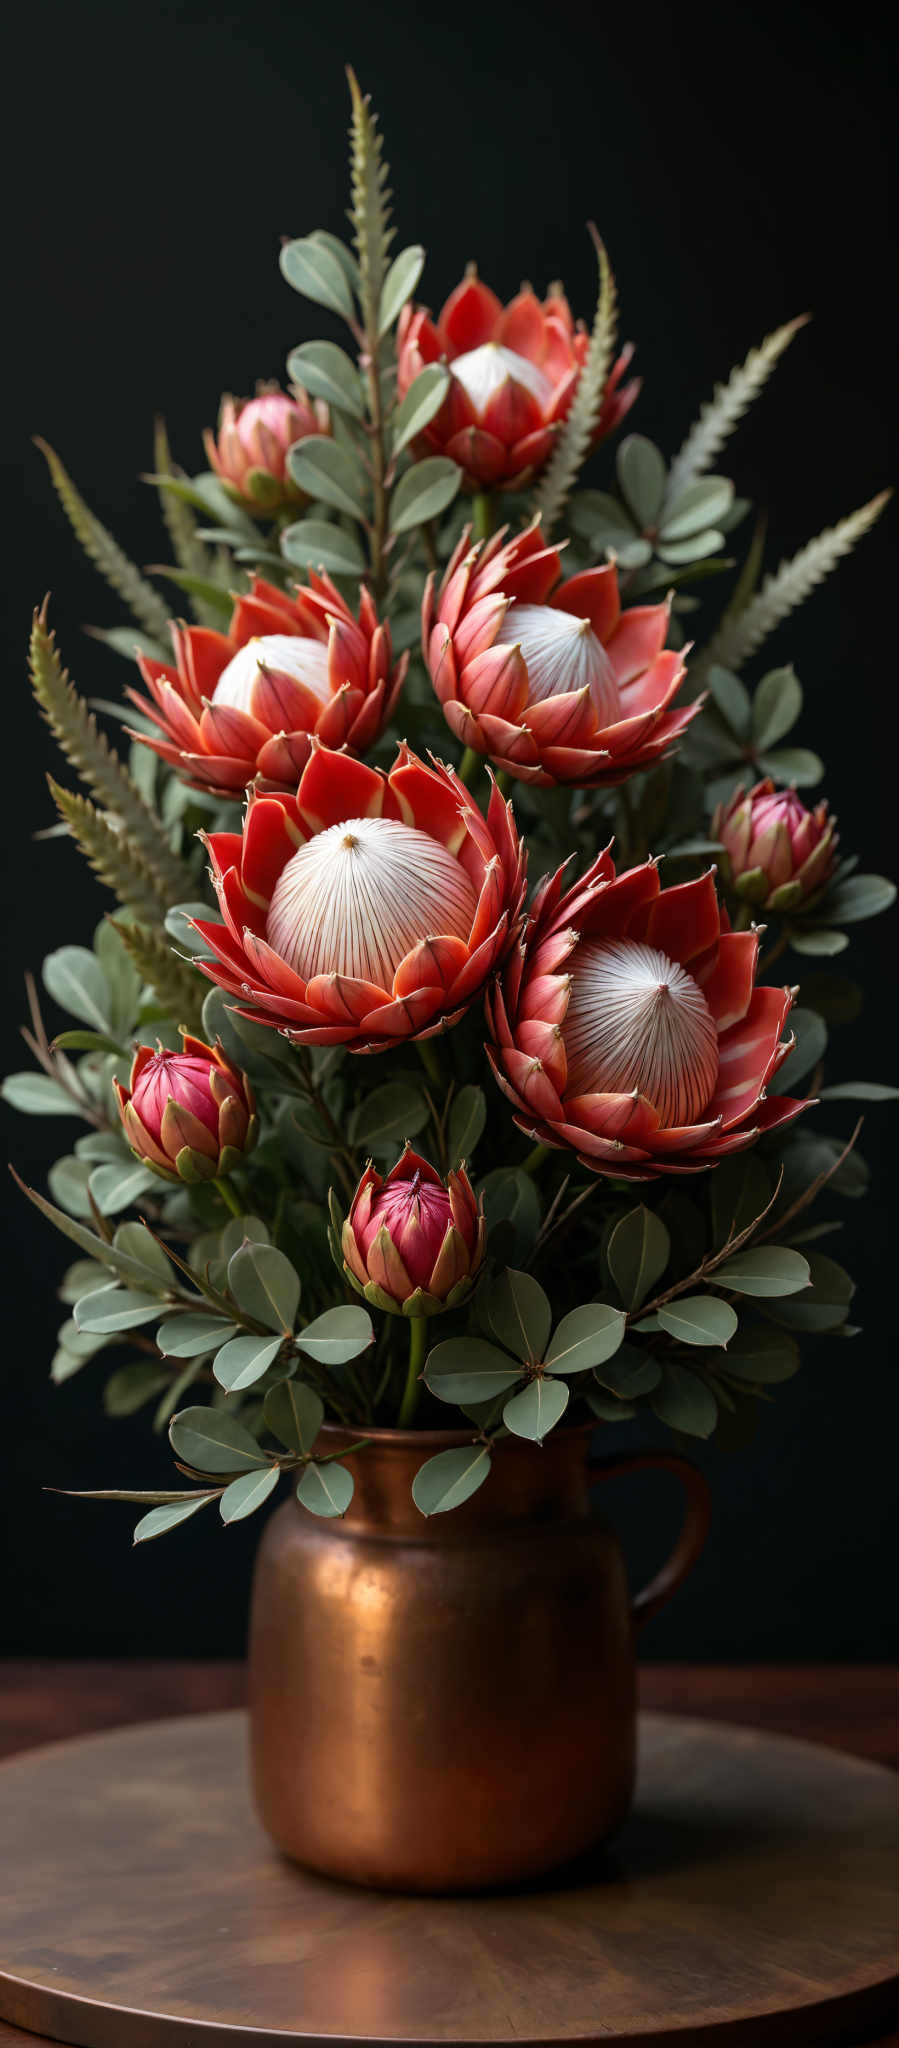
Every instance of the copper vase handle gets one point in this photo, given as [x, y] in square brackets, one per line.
[693, 1530]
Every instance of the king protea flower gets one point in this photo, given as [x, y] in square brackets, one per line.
[413, 1243]
[247, 703]
[552, 680]
[776, 851]
[188, 1115]
[368, 907]
[513, 374]
[249, 450]
[628, 1025]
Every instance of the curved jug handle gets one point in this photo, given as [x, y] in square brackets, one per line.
[693, 1530]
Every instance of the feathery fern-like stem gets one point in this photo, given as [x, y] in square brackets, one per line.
[113, 856]
[573, 444]
[144, 603]
[107, 778]
[723, 411]
[739, 636]
[190, 554]
[177, 984]
[372, 235]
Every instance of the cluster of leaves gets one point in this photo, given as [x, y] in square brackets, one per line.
[683, 1304]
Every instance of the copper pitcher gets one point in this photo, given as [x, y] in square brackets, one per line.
[449, 1704]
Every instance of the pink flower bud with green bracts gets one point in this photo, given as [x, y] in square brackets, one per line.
[249, 451]
[778, 852]
[413, 1243]
[188, 1115]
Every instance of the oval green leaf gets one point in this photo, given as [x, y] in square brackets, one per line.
[160, 1520]
[399, 284]
[76, 981]
[423, 399]
[519, 1314]
[312, 268]
[776, 706]
[243, 1360]
[699, 1319]
[684, 1402]
[337, 1336]
[394, 1111]
[466, 1123]
[115, 1308]
[424, 491]
[764, 1269]
[643, 476]
[586, 1337]
[469, 1369]
[189, 1336]
[246, 1494]
[326, 1489]
[325, 371]
[638, 1252]
[211, 1440]
[294, 1413]
[316, 544]
[265, 1285]
[450, 1478]
[326, 471]
[536, 1410]
[37, 1095]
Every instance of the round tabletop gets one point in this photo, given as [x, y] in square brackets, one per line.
[751, 1898]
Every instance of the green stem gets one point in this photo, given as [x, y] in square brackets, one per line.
[229, 1197]
[468, 766]
[482, 516]
[418, 1336]
[429, 1061]
[534, 1160]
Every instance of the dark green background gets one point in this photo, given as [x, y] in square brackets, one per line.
[737, 165]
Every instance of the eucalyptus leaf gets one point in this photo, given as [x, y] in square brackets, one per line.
[792, 764]
[685, 1402]
[337, 1336]
[449, 1478]
[512, 1209]
[642, 477]
[313, 269]
[265, 1285]
[818, 941]
[586, 1337]
[768, 1269]
[822, 1306]
[68, 1180]
[211, 1440]
[468, 1369]
[139, 1244]
[467, 1118]
[776, 706]
[859, 1091]
[399, 284]
[396, 1110]
[190, 1336]
[160, 1520]
[424, 491]
[243, 1360]
[115, 1187]
[326, 1489]
[76, 981]
[811, 1041]
[316, 544]
[698, 1319]
[132, 1386]
[327, 472]
[115, 1308]
[180, 928]
[294, 1413]
[325, 371]
[638, 1252]
[630, 1373]
[762, 1356]
[731, 697]
[247, 1493]
[519, 1314]
[423, 399]
[37, 1095]
[739, 1193]
[701, 504]
[536, 1410]
[858, 897]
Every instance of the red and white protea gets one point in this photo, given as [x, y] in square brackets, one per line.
[552, 680]
[413, 1243]
[188, 1115]
[248, 702]
[628, 1025]
[776, 851]
[249, 450]
[367, 908]
[513, 374]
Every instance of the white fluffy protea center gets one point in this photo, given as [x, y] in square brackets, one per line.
[293, 654]
[562, 653]
[355, 899]
[483, 371]
[638, 1022]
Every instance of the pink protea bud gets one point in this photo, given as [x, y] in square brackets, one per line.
[778, 852]
[188, 1115]
[250, 451]
[413, 1243]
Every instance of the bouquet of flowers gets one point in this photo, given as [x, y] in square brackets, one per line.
[456, 763]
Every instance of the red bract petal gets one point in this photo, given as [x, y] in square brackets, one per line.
[480, 455]
[269, 840]
[522, 326]
[593, 595]
[469, 317]
[334, 786]
[434, 963]
[637, 640]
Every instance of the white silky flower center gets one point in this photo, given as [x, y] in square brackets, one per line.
[562, 653]
[483, 371]
[294, 655]
[638, 1021]
[355, 899]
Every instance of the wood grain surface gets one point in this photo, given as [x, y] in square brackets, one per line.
[853, 1708]
[752, 1898]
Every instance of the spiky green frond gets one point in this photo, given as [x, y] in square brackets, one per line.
[739, 635]
[88, 750]
[178, 986]
[191, 554]
[370, 208]
[111, 852]
[144, 603]
[573, 444]
[722, 412]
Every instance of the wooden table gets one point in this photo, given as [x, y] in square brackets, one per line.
[856, 1710]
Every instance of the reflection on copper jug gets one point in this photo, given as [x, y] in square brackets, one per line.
[448, 1703]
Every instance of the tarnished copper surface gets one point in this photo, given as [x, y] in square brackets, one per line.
[449, 1704]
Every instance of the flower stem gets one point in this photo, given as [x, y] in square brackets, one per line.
[468, 765]
[534, 1160]
[482, 516]
[228, 1196]
[418, 1331]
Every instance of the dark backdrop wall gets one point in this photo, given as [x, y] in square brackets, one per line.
[738, 168]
